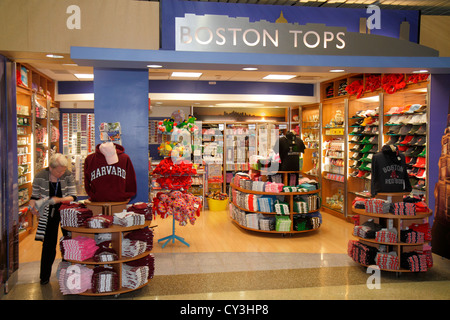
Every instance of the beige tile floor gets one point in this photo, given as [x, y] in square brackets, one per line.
[225, 262]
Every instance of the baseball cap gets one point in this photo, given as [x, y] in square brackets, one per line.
[413, 108]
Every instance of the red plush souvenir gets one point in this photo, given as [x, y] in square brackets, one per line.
[356, 87]
[416, 77]
[393, 82]
[373, 82]
[160, 206]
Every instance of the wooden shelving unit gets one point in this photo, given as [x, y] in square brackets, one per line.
[399, 222]
[35, 95]
[117, 236]
[333, 98]
[290, 200]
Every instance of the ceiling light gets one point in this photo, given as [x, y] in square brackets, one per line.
[249, 69]
[154, 66]
[186, 74]
[337, 70]
[54, 56]
[420, 71]
[279, 77]
[84, 75]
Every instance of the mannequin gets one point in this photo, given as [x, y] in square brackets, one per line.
[389, 172]
[109, 174]
[290, 147]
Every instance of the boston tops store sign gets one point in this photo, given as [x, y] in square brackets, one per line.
[219, 33]
[251, 28]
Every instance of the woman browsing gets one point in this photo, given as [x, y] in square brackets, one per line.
[51, 187]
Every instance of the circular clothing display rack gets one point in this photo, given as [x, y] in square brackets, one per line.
[290, 200]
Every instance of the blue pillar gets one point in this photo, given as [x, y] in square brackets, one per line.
[121, 95]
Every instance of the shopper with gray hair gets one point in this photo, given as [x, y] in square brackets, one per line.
[51, 187]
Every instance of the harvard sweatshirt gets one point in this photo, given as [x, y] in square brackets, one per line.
[109, 183]
[389, 172]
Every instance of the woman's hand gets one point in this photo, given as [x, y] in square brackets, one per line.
[32, 207]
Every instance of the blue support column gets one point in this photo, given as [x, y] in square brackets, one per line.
[121, 95]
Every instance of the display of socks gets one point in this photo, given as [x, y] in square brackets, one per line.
[74, 214]
[411, 236]
[386, 236]
[144, 234]
[283, 223]
[142, 208]
[377, 206]
[74, 279]
[361, 253]
[300, 207]
[99, 222]
[133, 248]
[128, 219]
[148, 261]
[104, 279]
[387, 260]
[282, 208]
[134, 277]
[79, 248]
[367, 230]
[267, 224]
[413, 261]
[404, 208]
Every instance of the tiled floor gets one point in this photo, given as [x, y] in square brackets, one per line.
[256, 275]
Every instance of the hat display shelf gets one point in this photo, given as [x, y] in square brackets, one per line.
[363, 142]
[117, 235]
[288, 215]
[405, 126]
[391, 250]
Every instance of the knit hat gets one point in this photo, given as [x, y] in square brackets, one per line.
[108, 149]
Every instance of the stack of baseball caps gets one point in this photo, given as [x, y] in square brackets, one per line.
[407, 130]
[365, 140]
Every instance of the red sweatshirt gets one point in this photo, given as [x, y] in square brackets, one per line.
[109, 183]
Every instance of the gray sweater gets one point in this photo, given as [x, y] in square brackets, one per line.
[41, 189]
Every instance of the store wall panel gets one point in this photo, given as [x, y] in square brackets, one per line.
[48, 25]
[434, 33]
[122, 96]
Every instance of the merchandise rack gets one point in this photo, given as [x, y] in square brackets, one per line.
[346, 186]
[399, 222]
[117, 236]
[290, 195]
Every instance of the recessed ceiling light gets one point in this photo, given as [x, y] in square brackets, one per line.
[279, 77]
[186, 74]
[84, 75]
[154, 66]
[249, 69]
[337, 70]
[54, 56]
[420, 71]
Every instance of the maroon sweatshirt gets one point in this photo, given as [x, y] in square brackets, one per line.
[109, 183]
